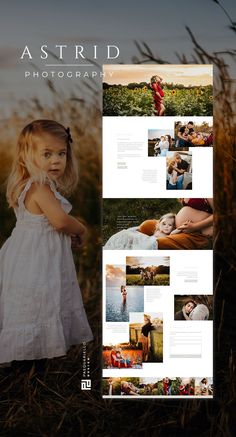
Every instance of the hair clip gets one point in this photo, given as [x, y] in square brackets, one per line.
[69, 135]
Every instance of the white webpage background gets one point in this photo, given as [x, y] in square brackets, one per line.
[181, 338]
[141, 176]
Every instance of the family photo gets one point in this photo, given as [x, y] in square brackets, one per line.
[192, 134]
[148, 334]
[157, 386]
[147, 270]
[179, 170]
[120, 301]
[122, 356]
[194, 307]
[120, 386]
[184, 223]
[158, 90]
[159, 141]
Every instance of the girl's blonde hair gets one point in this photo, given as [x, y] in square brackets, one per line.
[24, 165]
[170, 215]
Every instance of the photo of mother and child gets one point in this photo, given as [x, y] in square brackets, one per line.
[190, 228]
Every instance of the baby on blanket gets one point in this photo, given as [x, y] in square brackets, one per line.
[144, 236]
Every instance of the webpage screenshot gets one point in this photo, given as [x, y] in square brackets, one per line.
[157, 231]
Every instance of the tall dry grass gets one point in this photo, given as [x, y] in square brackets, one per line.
[32, 401]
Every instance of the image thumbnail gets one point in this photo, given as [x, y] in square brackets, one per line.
[160, 141]
[179, 170]
[167, 386]
[157, 386]
[120, 301]
[186, 386]
[122, 356]
[204, 386]
[147, 270]
[157, 90]
[120, 386]
[115, 276]
[147, 332]
[184, 223]
[194, 307]
[193, 134]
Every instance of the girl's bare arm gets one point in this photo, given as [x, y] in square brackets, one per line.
[51, 207]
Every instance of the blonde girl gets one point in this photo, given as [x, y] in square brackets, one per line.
[165, 226]
[42, 312]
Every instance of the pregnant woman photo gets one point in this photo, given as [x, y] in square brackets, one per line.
[195, 221]
[192, 229]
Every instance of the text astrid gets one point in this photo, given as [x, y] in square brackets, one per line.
[110, 51]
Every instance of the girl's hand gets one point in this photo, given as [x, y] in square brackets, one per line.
[75, 242]
[78, 241]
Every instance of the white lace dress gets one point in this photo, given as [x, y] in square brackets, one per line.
[131, 238]
[41, 308]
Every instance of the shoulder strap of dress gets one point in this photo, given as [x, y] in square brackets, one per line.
[19, 211]
[22, 195]
[54, 190]
[28, 184]
[21, 206]
[66, 204]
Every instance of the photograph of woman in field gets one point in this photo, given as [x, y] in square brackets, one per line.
[147, 331]
[156, 90]
[158, 95]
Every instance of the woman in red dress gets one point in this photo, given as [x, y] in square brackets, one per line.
[158, 94]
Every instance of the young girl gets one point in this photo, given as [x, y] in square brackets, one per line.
[42, 312]
[165, 226]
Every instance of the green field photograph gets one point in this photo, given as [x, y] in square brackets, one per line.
[158, 90]
[148, 270]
